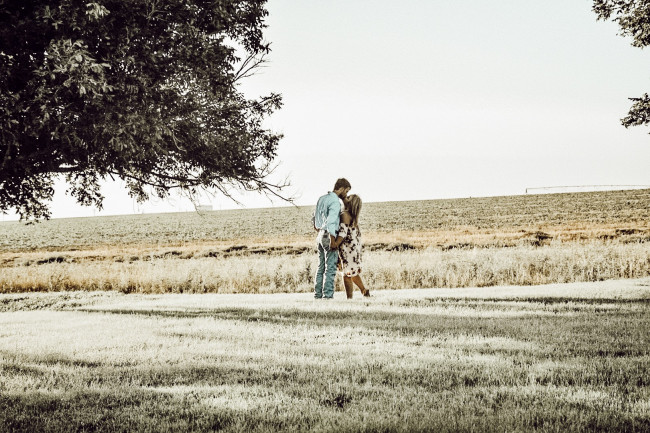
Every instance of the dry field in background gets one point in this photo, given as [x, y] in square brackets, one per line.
[560, 358]
[532, 239]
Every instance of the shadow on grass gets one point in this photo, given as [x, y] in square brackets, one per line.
[131, 410]
[600, 333]
[119, 411]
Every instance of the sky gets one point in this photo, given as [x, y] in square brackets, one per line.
[430, 99]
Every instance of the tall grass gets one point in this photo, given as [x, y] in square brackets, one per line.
[525, 265]
[251, 273]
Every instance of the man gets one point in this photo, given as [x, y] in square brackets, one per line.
[326, 222]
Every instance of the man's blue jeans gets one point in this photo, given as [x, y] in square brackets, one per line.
[327, 261]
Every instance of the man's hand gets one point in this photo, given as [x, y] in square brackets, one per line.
[333, 244]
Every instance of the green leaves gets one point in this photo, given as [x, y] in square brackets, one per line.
[639, 112]
[633, 18]
[144, 90]
[96, 11]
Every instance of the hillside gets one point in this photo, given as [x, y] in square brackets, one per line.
[589, 214]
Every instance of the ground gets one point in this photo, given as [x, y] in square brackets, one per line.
[561, 357]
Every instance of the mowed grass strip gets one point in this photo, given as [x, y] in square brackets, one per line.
[559, 358]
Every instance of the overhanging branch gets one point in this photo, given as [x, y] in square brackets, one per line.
[248, 66]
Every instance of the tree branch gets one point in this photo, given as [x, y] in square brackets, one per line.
[64, 170]
[180, 184]
[7, 157]
[252, 62]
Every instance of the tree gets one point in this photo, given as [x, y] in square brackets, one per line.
[143, 90]
[633, 18]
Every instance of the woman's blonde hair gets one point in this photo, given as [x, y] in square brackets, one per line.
[353, 206]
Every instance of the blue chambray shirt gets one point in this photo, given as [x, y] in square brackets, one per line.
[328, 213]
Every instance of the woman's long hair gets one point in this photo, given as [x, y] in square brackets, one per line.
[353, 206]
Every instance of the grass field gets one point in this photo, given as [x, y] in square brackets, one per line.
[557, 358]
[521, 240]
[189, 322]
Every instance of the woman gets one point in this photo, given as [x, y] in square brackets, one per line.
[348, 242]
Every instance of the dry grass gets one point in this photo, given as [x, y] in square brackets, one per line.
[246, 272]
[441, 243]
[570, 358]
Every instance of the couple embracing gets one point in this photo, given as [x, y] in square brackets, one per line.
[339, 241]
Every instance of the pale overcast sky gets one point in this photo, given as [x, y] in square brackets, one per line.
[427, 99]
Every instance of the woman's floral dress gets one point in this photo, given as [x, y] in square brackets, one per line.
[350, 250]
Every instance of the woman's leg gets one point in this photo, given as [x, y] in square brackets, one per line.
[349, 288]
[359, 282]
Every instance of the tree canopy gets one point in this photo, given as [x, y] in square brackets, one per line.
[143, 90]
[633, 18]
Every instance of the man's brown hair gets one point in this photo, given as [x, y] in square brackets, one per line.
[341, 183]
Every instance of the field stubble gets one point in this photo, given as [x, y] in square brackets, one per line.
[520, 240]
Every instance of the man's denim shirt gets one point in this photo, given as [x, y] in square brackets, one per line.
[327, 214]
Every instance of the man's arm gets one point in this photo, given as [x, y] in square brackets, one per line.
[333, 218]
